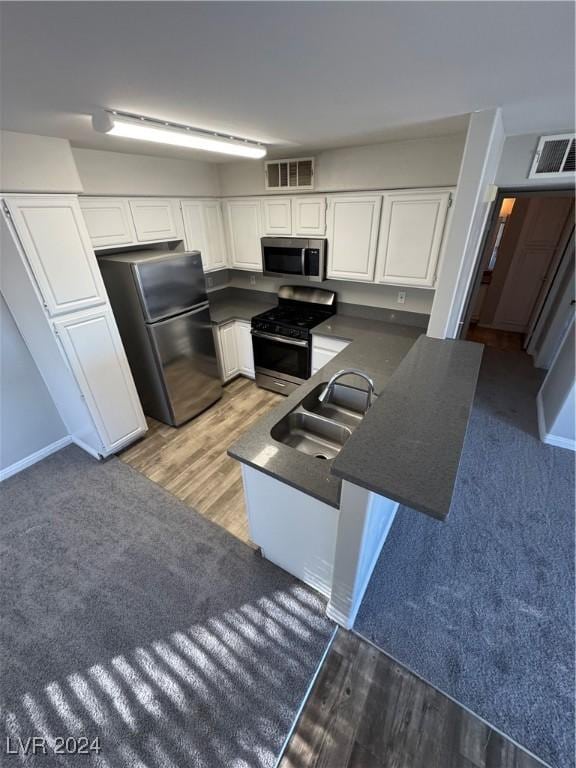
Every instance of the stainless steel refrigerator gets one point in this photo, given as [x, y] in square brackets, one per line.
[161, 308]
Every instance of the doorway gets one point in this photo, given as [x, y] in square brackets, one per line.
[525, 250]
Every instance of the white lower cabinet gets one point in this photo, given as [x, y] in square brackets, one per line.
[234, 346]
[324, 349]
[244, 347]
[96, 357]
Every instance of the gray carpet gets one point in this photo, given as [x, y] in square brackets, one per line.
[481, 606]
[126, 615]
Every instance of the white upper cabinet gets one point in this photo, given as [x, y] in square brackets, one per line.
[214, 224]
[155, 219]
[58, 250]
[108, 221]
[309, 216]
[95, 354]
[352, 236]
[244, 232]
[277, 213]
[410, 237]
[204, 232]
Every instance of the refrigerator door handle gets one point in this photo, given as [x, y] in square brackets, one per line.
[198, 308]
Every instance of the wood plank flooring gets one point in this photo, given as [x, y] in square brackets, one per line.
[367, 711]
[191, 461]
[507, 341]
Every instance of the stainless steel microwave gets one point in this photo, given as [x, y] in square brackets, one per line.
[294, 256]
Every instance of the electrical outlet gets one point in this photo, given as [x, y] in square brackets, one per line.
[252, 280]
[209, 282]
[401, 297]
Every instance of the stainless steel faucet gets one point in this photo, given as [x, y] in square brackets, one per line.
[326, 393]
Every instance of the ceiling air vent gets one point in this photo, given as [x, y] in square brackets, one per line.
[297, 173]
[554, 157]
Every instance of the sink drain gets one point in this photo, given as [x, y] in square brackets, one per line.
[320, 456]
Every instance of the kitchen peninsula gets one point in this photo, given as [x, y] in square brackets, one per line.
[326, 520]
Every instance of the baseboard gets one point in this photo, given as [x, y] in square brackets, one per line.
[545, 436]
[18, 466]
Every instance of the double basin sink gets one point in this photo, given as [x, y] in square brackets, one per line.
[320, 429]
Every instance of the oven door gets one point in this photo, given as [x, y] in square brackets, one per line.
[283, 256]
[278, 356]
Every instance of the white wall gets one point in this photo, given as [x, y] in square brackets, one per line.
[369, 295]
[29, 420]
[392, 165]
[516, 160]
[557, 396]
[30, 163]
[482, 153]
[117, 173]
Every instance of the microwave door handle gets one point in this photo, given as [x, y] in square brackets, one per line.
[303, 262]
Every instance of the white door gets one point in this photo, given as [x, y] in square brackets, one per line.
[97, 359]
[214, 227]
[410, 238]
[58, 249]
[108, 221]
[309, 216]
[154, 219]
[353, 236]
[277, 216]
[245, 351]
[228, 350]
[195, 230]
[244, 229]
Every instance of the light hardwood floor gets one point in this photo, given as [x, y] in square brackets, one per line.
[367, 711]
[507, 341]
[191, 461]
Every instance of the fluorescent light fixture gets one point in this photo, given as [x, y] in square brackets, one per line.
[146, 129]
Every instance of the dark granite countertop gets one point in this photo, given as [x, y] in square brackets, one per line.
[228, 305]
[408, 446]
[378, 348]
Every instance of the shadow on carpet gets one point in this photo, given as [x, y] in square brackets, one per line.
[127, 616]
[481, 606]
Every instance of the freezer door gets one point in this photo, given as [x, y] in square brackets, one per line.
[170, 285]
[187, 355]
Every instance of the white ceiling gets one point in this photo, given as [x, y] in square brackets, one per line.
[298, 75]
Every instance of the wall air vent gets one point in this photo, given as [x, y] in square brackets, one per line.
[554, 157]
[286, 175]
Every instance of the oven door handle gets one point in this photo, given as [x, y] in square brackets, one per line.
[281, 339]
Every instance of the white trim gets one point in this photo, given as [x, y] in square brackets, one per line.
[18, 466]
[547, 437]
[306, 697]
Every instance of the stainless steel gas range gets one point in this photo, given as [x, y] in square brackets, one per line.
[281, 337]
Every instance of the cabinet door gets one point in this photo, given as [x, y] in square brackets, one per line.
[410, 238]
[97, 359]
[244, 346]
[58, 250]
[195, 230]
[309, 216]
[228, 350]
[108, 221]
[325, 349]
[277, 216]
[214, 227]
[244, 229]
[353, 236]
[154, 219]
